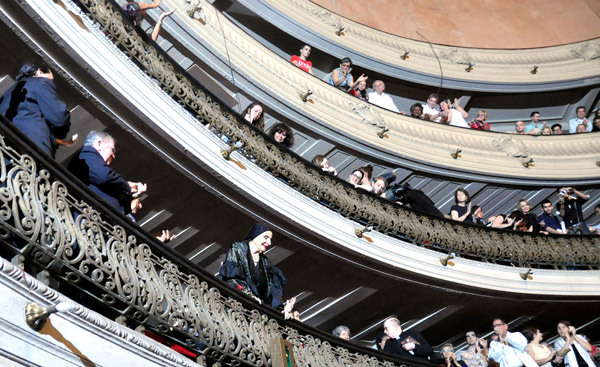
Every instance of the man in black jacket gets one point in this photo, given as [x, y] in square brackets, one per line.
[408, 344]
[92, 167]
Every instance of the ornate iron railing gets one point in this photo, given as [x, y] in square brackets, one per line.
[101, 259]
[490, 245]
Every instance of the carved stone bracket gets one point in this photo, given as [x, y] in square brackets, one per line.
[456, 56]
[367, 114]
[588, 51]
[512, 148]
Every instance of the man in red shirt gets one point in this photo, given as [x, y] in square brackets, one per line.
[301, 62]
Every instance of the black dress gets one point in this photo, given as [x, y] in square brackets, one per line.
[263, 281]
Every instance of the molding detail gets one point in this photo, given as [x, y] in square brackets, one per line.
[588, 51]
[36, 289]
[512, 148]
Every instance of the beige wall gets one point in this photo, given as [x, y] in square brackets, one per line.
[478, 23]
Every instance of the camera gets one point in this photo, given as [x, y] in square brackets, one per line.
[563, 192]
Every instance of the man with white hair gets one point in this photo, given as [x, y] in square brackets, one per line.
[381, 99]
[407, 344]
[92, 166]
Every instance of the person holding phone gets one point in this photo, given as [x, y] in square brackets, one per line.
[575, 349]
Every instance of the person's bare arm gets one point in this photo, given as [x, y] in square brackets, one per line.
[158, 25]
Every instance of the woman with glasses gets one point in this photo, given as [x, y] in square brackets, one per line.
[449, 357]
[341, 77]
[476, 353]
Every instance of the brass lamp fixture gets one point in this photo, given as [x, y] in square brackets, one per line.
[226, 153]
[304, 97]
[534, 70]
[360, 233]
[469, 68]
[36, 314]
[382, 134]
[527, 275]
[529, 163]
[456, 154]
[446, 260]
[340, 30]
[405, 56]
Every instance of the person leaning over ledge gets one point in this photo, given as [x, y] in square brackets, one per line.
[302, 60]
[92, 167]
[35, 108]
[248, 270]
[341, 77]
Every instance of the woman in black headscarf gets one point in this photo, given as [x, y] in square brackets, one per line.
[250, 271]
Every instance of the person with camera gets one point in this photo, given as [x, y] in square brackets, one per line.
[404, 194]
[476, 353]
[570, 202]
[572, 347]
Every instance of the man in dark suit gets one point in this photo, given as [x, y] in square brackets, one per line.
[92, 167]
[33, 105]
[408, 344]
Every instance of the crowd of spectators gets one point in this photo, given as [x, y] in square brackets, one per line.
[500, 349]
[446, 112]
[567, 219]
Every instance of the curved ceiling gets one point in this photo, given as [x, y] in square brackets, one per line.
[506, 24]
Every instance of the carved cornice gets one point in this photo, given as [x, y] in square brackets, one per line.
[557, 63]
[556, 157]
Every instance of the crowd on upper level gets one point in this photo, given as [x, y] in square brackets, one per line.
[442, 111]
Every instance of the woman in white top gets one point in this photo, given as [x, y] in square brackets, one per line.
[542, 354]
[453, 114]
[574, 347]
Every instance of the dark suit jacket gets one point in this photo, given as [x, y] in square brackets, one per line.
[91, 169]
[422, 351]
[34, 107]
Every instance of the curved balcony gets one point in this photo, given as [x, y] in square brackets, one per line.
[500, 70]
[386, 256]
[336, 114]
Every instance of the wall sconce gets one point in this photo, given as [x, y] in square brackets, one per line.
[304, 97]
[340, 30]
[226, 153]
[197, 12]
[534, 70]
[382, 134]
[446, 260]
[360, 232]
[405, 56]
[529, 163]
[456, 154]
[36, 314]
[527, 275]
[469, 68]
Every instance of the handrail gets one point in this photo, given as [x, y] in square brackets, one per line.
[490, 245]
[61, 226]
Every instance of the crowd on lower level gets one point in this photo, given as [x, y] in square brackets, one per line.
[502, 348]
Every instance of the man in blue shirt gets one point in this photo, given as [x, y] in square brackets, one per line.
[535, 127]
[550, 223]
